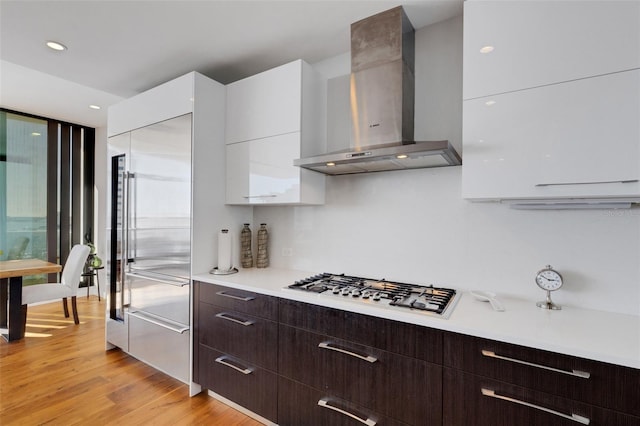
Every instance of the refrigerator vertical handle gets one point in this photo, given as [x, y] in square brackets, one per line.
[124, 252]
[132, 223]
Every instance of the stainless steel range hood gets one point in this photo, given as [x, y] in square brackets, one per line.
[382, 104]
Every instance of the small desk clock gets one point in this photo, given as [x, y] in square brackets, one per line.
[549, 280]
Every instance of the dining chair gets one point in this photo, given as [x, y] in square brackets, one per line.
[67, 287]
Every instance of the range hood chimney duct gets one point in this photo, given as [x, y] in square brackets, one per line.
[382, 104]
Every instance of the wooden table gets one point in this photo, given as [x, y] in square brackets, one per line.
[11, 273]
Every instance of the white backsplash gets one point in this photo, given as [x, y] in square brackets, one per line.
[413, 226]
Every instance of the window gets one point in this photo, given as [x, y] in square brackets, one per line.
[46, 188]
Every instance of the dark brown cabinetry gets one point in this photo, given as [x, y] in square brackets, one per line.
[297, 363]
[302, 405]
[244, 383]
[247, 337]
[236, 346]
[401, 338]
[247, 302]
[495, 383]
[340, 364]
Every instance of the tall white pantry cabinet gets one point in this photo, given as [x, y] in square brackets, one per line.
[551, 100]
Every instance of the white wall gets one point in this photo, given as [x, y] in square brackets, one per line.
[413, 225]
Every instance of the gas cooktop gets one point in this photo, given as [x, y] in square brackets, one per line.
[421, 299]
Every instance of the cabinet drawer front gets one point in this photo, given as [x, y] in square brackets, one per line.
[250, 338]
[607, 385]
[163, 348]
[364, 375]
[302, 405]
[480, 401]
[239, 381]
[240, 300]
[406, 339]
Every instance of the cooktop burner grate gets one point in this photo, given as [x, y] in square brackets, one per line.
[426, 299]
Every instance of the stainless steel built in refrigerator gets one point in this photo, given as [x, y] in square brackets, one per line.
[149, 244]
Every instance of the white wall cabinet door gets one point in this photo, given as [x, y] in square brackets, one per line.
[266, 104]
[543, 42]
[237, 173]
[272, 119]
[576, 139]
[261, 171]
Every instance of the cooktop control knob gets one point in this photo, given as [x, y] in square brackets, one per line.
[376, 296]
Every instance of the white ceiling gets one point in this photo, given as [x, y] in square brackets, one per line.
[117, 49]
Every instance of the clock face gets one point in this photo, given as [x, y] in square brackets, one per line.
[548, 279]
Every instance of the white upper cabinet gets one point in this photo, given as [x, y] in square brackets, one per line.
[543, 42]
[272, 119]
[577, 139]
[266, 104]
[267, 177]
[552, 113]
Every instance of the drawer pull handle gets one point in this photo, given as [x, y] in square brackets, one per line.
[225, 316]
[223, 360]
[162, 322]
[324, 402]
[151, 277]
[575, 373]
[328, 345]
[587, 183]
[231, 296]
[573, 416]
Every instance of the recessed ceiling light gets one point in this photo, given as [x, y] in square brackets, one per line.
[331, 164]
[35, 134]
[489, 103]
[94, 106]
[55, 45]
[401, 156]
[486, 49]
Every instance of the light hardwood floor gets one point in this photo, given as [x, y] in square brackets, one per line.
[60, 374]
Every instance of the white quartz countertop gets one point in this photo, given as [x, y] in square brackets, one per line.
[597, 335]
